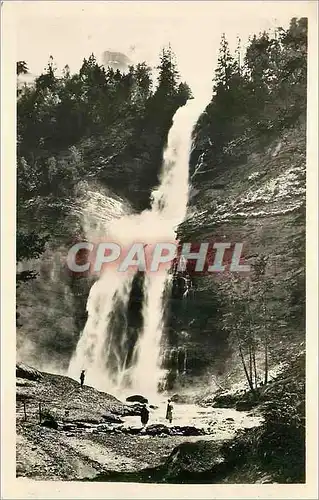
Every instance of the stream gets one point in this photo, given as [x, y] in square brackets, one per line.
[221, 423]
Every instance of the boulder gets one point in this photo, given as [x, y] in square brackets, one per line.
[51, 423]
[132, 410]
[25, 371]
[132, 430]
[192, 459]
[157, 429]
[187, 430]
[69, 427]
[112, 419]
[136, 398]
[85, 425]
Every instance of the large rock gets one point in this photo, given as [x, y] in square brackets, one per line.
[132, 410]
[51, 423]
[85, 425]
[112, 419]
[24, 371]
[131, 430]
[189, 461]
[69, 427]
[176, 430]
[186, 430]
[136, 398]
[157, 429]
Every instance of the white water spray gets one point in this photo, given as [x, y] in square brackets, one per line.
[102, 356]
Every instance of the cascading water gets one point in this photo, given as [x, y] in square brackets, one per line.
[105, 349]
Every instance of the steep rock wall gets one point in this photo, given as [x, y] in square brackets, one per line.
[259, 202]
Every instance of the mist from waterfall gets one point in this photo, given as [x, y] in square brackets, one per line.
[112, 360]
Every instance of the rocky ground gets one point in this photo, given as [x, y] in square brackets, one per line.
[44, 453]
[87, 434]
[228, 437]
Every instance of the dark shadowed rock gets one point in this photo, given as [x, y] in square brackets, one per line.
[161, 429]
[131, 410]
[69, 427]
[25, 371]
[225, 401]
[187, 430]
[131, 430]
[112, 419]
[84, 425]
[137, 398]
[157, 429]
[192, 458]
[51, 423]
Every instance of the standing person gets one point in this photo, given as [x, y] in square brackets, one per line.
[82, 377]
[144, 415]
[169, 411]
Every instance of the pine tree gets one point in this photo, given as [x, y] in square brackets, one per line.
[184, 93]
[227, 67]
[168, 74]
[142, 81]
[22, 68]
[48, 79]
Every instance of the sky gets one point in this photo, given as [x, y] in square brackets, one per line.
[70, 31]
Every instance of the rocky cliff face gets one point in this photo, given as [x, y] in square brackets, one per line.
[259, 202]
[247, 174]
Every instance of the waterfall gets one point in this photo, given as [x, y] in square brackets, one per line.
[103, 348]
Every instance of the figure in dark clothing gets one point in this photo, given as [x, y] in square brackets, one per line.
[82, 377]
[169, 411]
[144, 415]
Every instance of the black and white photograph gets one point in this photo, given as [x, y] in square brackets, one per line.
[160, 242]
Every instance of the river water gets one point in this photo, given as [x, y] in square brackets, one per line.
[221, 423]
